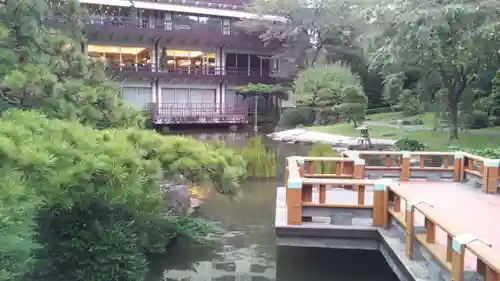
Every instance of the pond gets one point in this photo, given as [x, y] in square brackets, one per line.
[249, 250]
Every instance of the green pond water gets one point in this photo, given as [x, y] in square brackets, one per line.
[248, 251]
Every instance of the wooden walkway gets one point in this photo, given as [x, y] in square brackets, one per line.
[468, 209]
[447, 202]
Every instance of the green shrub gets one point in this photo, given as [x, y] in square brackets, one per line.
[479, 119]
[100, 208]
[493, 153]
[18, 204]
[406, 144]
[292, 117]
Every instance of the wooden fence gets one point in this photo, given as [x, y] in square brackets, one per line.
[349, 171]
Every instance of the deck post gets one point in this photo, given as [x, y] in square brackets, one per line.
[405, 166]
[380, 208]
[410, 233]
[491, 175]
[294, 201]
[458, 256]
[359, 173]
[307, 190]
[458, 167]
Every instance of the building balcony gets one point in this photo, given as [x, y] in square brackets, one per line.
[168, 32]
[202, 74]
[199, 113]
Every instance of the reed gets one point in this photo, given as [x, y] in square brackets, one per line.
[323, 150]
[261, 161]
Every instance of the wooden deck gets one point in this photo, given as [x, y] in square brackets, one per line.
[468, 209]
[446, 204]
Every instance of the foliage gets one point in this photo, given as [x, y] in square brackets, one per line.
[406, 144]
[492, 153]
[293, 117]
[456, 40]
[261, 89]
[408, 103]
[494, 100]
[260, 161]
[45, 68]
[353, 105]
[393, 86]
[323, 150]
[101, 189]
[377, 110]
[480, 119]
[323, 86]
[199, 163]
[17, 227]
[331, 23]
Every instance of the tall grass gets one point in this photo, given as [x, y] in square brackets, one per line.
[323, 150]
[261, 161]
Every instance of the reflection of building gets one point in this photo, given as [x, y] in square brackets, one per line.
[180, 57]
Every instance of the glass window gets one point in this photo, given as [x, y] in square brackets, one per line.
[137, 97]
[188, 61]
[266, 66]
[242, 61]
[183, 21]
[255, 63]
[125, 57]
[231, 60]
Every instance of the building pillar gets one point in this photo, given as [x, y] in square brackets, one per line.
[218, 92]
[222, 61]
[223, 97]
[154, 90]
[154, 55]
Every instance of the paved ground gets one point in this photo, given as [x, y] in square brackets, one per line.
[415, 128]
[468, 209]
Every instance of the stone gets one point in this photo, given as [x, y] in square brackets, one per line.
[177, 197]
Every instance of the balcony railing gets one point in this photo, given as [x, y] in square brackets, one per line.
[175, 113]
[212, 28]
[192, 70]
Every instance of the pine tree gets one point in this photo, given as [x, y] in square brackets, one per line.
[44, 68]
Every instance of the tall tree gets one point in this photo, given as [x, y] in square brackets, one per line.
[310, 27]
[45, 68]
[456, 39]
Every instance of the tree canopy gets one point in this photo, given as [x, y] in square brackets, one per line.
[456, 41]
[45, 68]
[80, 195]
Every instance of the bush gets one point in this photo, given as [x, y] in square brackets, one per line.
[322, 86]
[292, 117]
[100, 208]
[17, 227]
[479, 119]
[408, 103]
[406, 144]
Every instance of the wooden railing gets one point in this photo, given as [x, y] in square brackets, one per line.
[348, 172]
[460, 165]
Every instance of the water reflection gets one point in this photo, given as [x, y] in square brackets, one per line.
[248, 251]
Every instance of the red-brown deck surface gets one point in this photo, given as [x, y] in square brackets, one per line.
[467, 208]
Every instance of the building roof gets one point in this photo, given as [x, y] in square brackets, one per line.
[184, 6]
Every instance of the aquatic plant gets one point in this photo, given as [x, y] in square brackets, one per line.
[261, 161]
[323, 150]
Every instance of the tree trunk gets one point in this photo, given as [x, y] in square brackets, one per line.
[453, 105]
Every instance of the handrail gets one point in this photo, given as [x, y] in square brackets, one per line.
[299, 194]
